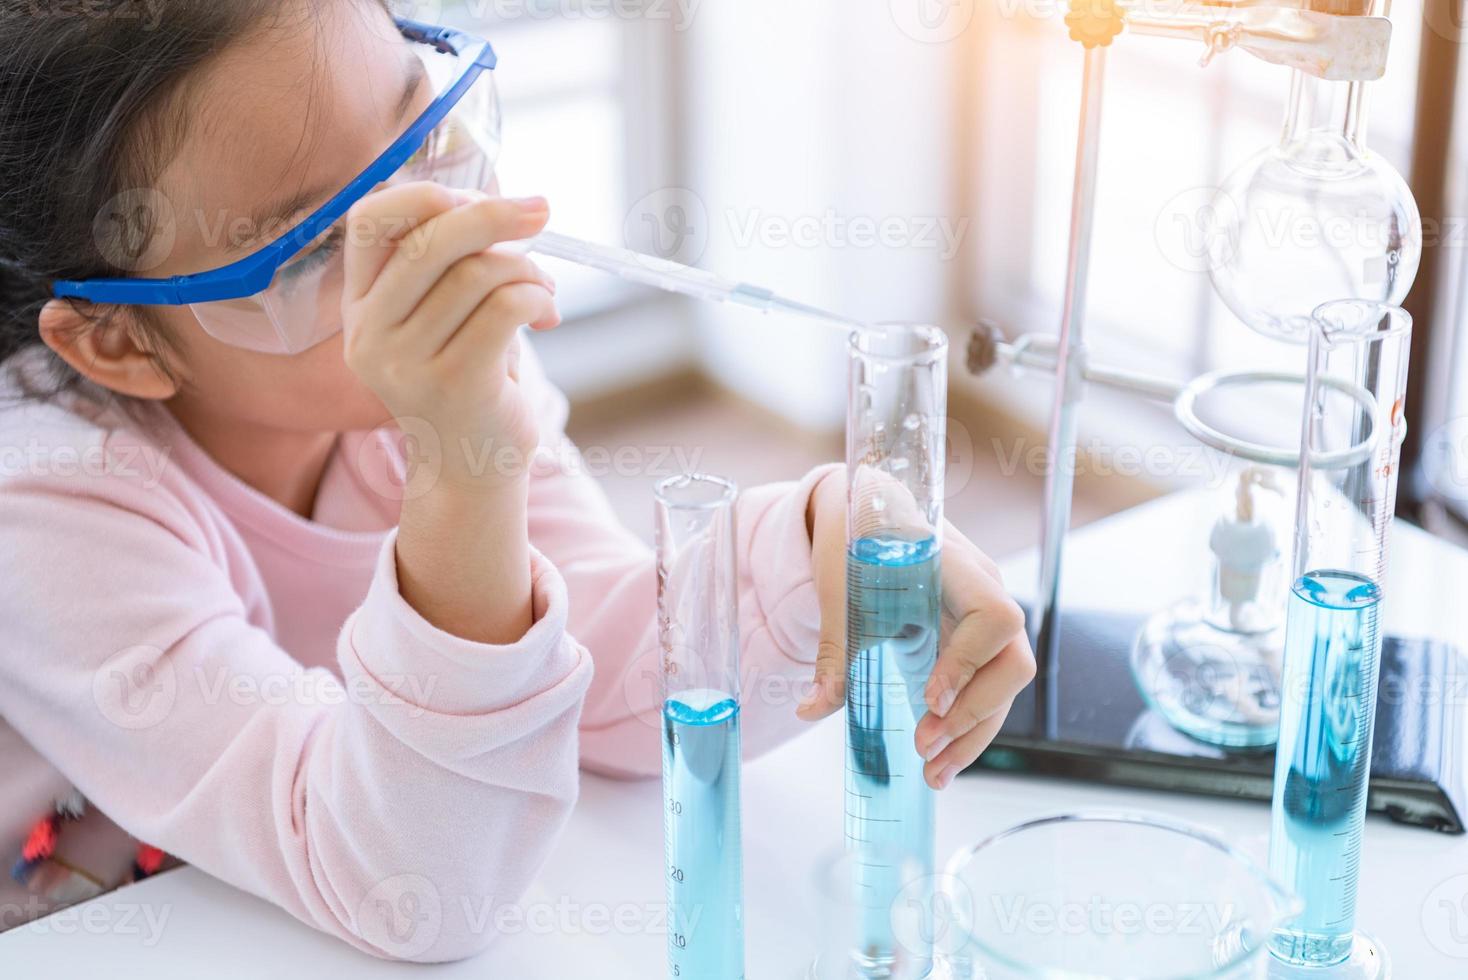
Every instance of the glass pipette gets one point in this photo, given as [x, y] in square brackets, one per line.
[675, 277]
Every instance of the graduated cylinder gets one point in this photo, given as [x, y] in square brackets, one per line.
[895, 451]
[1351, 443]
[698, 629]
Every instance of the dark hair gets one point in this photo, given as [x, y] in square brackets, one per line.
[89, 106]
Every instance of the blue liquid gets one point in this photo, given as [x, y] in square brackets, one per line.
[1322, 765]
[893, 621]
[701, 836]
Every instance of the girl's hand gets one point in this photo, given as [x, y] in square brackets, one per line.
[431, 311]
[985, 660]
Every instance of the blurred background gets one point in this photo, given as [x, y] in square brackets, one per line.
[912, 160]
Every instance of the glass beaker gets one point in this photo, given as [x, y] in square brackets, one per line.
[698, 630]
[1105, 896]
[896, 452]
[1351, 434]
[1316, 217]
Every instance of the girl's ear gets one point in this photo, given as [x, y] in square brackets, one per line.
[106, 349]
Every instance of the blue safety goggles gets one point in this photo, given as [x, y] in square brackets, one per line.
[286, 296]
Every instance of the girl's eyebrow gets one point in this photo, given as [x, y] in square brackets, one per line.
[278, 216]
[413, 78]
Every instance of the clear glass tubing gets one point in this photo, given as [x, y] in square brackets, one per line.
[895, 452]
[1351, 434]
[665, 274]
[698, 631]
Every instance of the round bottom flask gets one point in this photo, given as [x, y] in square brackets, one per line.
[1213, 685]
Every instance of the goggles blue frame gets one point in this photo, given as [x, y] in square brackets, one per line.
[254, 273]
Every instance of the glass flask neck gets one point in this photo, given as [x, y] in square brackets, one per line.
[1325, 128]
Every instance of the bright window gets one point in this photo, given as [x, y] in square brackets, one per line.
[582, 115]
[1172, 132]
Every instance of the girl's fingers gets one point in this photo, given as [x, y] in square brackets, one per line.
[427, 253]
[954, 538]
[828, 558]
[461, 291]
[941, 772]
[991, 691]
[988, 622]
[379, 221]
[486, 336]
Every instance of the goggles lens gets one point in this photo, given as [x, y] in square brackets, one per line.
[302, 306]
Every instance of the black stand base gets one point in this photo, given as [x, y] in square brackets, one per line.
[1105, 732]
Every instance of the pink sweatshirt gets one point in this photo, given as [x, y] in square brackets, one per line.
[248, 691]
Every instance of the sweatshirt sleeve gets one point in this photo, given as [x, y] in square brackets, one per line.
[611, 575]
[388, 808]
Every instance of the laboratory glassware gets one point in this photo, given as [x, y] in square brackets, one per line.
[896, 453]
[1094, 896]
[1213, 669]
[842, 910]
[1351, 436]
[1314, 218]
[675, 277]
[1079, 717]
[698, 631]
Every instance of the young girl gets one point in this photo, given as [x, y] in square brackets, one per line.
[303, 585]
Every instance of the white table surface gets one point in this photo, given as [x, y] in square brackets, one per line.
[594, 912]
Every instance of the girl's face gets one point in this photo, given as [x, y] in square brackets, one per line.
[276, 125]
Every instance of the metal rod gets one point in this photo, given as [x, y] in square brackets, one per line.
[1034, 353]
[1060, 479]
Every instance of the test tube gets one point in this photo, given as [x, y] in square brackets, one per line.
[895, 453]
[1350, 446]
[698, 630]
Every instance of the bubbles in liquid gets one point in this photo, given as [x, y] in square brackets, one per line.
[913, 422]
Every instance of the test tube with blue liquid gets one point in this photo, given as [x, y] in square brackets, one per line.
[896, 451]
[1350, 449]
[698, 630]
